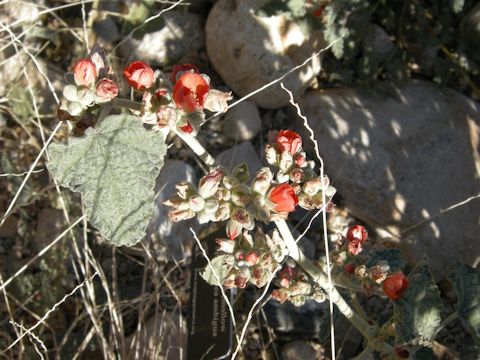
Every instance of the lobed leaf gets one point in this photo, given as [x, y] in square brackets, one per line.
[216, 271]
[114, 167]
[417, 312]
[466, 281]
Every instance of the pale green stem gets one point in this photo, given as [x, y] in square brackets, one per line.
[448, 320]
[125, 103]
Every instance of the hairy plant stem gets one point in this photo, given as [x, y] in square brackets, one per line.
[126, 103]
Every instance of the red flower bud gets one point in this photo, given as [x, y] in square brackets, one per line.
[84, 72]
[241, 282]
[106, 90]
[401, 352]
[349, 269]
[188, 129]
[178, 71]
[290, 141]
[395, 285]
[357, 232]
[139, 75]
[233, 229]
[190, 92]
[284, 198]
[355, 247]
[251, 258]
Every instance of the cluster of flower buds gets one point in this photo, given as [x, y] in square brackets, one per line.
[286, 154]
[90, 84]
[369, 278]
[218, 197]
[271, 196]
[221, 196]
[176, 102]
[251, 260]
[294, 286]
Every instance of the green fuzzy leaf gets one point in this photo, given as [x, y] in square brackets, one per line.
[217, 271]
[114, 167]
[466, 281]
[417, 312]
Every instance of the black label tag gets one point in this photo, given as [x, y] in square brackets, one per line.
[209, 322]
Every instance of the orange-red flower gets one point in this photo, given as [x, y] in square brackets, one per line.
[190, 92]
[357, 232]
[139, 75]
[290, 141]
[84, 72]
[395, 285]
[178, 71]
[284, 198]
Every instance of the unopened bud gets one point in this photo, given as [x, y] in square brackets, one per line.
[251, 258]
[241, 172]
[241, 282]
[300, 159]
[312, 186]
[241, 195]
[167, 116]
[271, 155]
[241, 216]
[286, 161]
[85, 97]
[211, 206]
[226, 246]
[234, 229]
[209, 184]
[297, 175]
[263, 181]
[196, 203]
[179, 215]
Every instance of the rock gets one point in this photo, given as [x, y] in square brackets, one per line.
[298, 349]
[170, 239]
[181, 33]
[311, 319]
[347, 338]
[378, 41]
[107, 30]
[306, 245]
[399, 160]
[249, 51]
[162, 337]
[241, 153]
[50, 224]
[470, 25]
[243, 121]
[9, 227]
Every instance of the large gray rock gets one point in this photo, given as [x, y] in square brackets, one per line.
[299, 349]
[182, 32]
[170, 239]
[241, 153]
[243, 121]
[249, 51]
[400, 160]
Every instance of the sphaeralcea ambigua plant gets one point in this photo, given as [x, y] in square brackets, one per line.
[117, 148]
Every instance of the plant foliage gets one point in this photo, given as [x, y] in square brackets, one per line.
[114, 167]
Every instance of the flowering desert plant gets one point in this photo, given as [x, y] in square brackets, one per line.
[113, 163]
